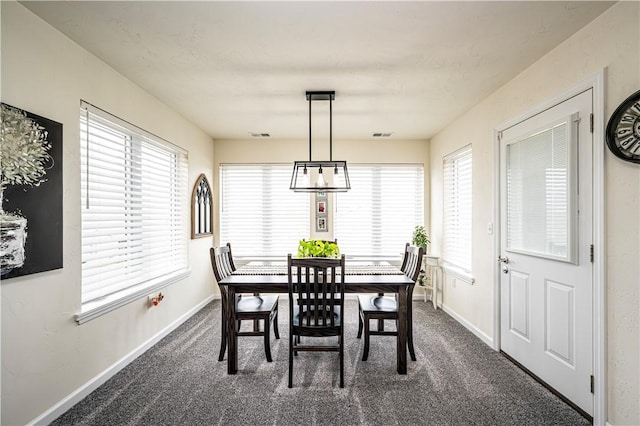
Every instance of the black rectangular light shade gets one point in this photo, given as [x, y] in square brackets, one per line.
[334, 176]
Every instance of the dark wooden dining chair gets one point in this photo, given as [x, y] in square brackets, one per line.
[316, 306]
[380, 307]
[254, 308]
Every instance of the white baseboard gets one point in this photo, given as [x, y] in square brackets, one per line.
[481, 335]
[76, 396]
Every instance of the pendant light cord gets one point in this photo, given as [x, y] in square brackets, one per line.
[310, 128]
[330, 129]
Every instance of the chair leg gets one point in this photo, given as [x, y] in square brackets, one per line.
[380, 321]
[290, 360]
[256, 323]
[341, 361]
[223, 342]
[267, 344]
[365, 352]
[360, 324]
[275, 325]
[412, 352]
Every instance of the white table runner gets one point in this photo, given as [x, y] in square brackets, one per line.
[261, 268]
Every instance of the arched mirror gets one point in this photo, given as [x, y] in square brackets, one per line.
[201, 208]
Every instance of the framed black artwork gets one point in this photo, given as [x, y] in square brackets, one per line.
[31, 193]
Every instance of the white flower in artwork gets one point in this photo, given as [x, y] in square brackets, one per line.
[24, 159]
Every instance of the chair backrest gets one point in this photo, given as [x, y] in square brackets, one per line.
[412, 261]
[316, 291]
[222, 261]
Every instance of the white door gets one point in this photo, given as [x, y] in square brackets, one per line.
[546, 239]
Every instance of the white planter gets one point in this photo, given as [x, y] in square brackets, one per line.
[13, 234]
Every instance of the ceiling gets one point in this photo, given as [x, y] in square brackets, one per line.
[236, 68]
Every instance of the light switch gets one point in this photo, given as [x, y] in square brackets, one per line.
[490, 228]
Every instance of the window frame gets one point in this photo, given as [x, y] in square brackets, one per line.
[452, 255]
[148, 160]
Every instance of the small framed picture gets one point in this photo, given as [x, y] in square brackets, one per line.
[321, 195]
[321, 224]
[321, 207]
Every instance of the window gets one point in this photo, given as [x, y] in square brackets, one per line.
[377, 216]
[134, 207]
[456, 247]
[541, 192]
[259, 215]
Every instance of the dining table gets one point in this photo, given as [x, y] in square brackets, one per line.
[360, 277]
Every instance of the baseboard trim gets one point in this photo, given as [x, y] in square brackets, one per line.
[549, 387]
[76, 396]
[481, 335]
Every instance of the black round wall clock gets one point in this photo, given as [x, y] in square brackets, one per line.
[623, 130]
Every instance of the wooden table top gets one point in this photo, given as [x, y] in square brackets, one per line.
[355, 282]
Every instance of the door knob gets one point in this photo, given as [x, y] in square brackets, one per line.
[503, 259]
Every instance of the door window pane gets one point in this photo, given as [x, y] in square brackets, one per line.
[539, 193]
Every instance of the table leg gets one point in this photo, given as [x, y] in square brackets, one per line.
[232, 336]
[434, 286]
[402, 331]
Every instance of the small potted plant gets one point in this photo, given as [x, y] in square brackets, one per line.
[422, 278]
[420, 238]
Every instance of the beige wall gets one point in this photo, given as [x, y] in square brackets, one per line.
[353, 151]
[45, 354]
[612, 41]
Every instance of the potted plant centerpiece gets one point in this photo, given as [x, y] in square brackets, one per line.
[318, 248]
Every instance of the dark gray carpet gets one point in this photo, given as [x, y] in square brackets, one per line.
[457, 380]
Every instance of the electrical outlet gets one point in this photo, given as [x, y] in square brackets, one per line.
[154, 299]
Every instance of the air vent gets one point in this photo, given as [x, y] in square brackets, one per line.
[382, 135]
[260, 135]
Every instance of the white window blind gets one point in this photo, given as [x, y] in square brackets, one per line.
[134, 205]
[259, 215]
[539, 218]
[456, 247]
[377, 216]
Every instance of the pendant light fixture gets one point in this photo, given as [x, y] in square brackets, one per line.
[320, 176]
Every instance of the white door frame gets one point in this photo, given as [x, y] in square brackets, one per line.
[596, 83]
